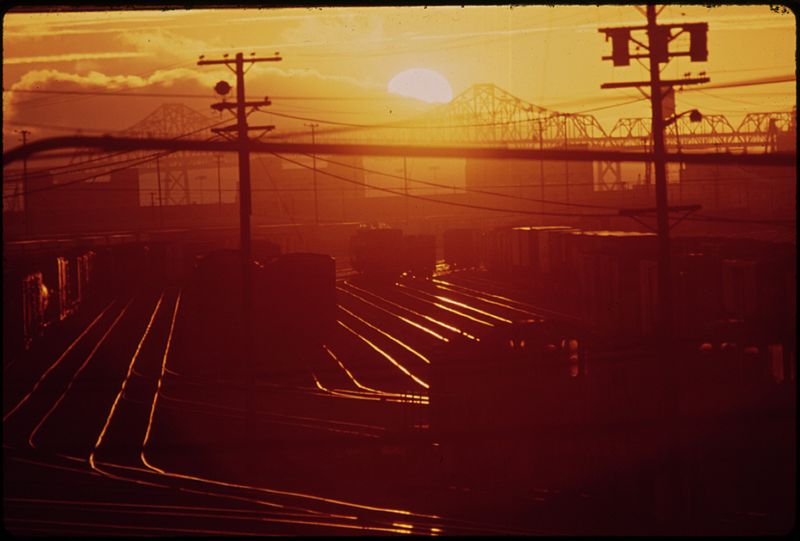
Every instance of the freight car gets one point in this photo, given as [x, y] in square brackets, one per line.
[40, 291]
[461, 247]
[419, 255]
[534, 404]
[506, 397]
[297, 298]
[377, 253]
[610, 279]
[383, 254]
[293, 307]
[209, 326]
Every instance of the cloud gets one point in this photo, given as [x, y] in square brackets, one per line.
[164, 43]
[72, 57]
[64, 20]
[312, 80]
[95, 80]
[367, 101]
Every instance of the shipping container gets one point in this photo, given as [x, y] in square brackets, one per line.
[420, 254]
[297, 297]
[460, 247]
[377, 253]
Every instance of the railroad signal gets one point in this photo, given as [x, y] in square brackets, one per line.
[661, 37]
[698, 41]
[222, 88]
[619, 45]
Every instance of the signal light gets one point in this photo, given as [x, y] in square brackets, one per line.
[619, 45]
[222, 88]
[698, 41]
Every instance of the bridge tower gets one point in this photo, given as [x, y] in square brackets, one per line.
[174, 120]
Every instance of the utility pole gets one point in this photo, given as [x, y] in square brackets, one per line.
[668, 481]
[657, 47]
[245, 210]
[313, 127]
[566, 162]
[662, 214]
[219, 183]
[405, 186]
[541, 167]
[25, 198]
[160, 202]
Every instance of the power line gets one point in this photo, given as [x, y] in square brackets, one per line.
[91, 177]
[696, 217]
[400, 124]
[81, 166]
[726, 180]
[706, 218]
[60, 128]
[145, 159]
[495, 209]
[102, 93]
[474, 190]
[452, 203]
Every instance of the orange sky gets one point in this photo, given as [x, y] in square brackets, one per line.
[549, 56]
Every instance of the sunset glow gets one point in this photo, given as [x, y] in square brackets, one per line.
[451, 270]
[422, 84]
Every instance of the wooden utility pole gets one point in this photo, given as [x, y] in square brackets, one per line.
[160, 201]
[566, 162]
[668, 479]
[541, 167]
[25, 198]
[657, 47]
[405, 186]
[313, 127]
[241, 128]
[662, 214]
[219, 183]
[245, 209]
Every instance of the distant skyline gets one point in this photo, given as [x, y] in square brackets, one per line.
[345, 57]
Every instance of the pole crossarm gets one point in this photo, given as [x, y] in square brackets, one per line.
[234, 127]
[109, 143]
[231, 105]
[275, 58]
[664, 82]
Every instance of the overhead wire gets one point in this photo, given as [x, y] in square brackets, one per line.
[90, 177]
[120, 93]
[423, 198]
[695, 217]
[527, 212]
[79, 167]
[281, 202]
[707, 218]
[473, 190]
[402, 124]
[146, 159]
[727, 180]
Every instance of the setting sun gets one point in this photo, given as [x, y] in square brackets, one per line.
[422, 84]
